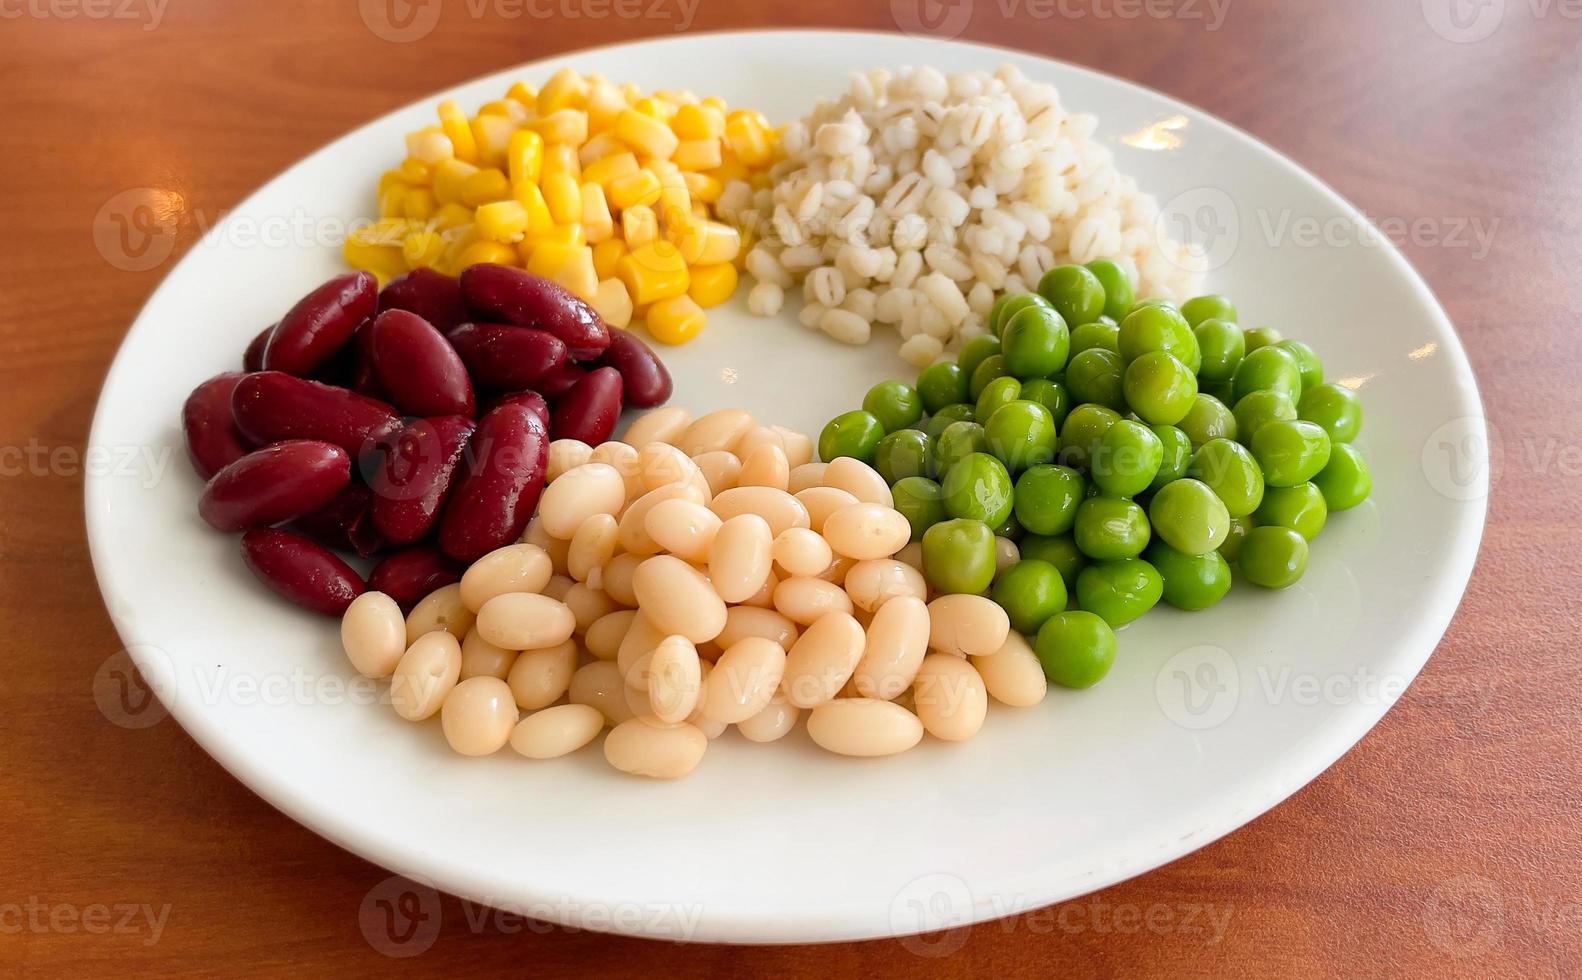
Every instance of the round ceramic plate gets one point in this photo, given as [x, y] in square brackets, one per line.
[1207, 720]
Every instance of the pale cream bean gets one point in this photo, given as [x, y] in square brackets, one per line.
[603, 638]
[764, 598]
[774, 722]
[426, 673]
[722, 470]
[557, 731]
[633, 534]
[758, 435]
[480, 658]
[802, 551]
[540, 677]
[911, 555]
[662, 425]
[555, 548]
[587, 605]
[777, 507]
[636, 647]
[867, 531]
[745, 678]
[624, 459]
[744, 621]
[969, 625]
[441, 609]
[715, 432]
[836, 572]
[765, 467]
[649, 747]
[618, 574]
[592, 488]
[675, 598]
[599, 686]
[591, 549]
[949, 696]
[566, 454]
[1006, 554]
[675, 679]
[806, 600]
[1013, 674]
[858, 479]
[660, 465]
[710, 729]
[525, 621]
[873, 583]
[637, 700]
[514, 568]
[864, 727]
[685, 528]
[897, 641]
[478, 716]
[821, 502]
[798, 446]
[822, 659]
[739, 557]
[558, 586]
[373, 634]
[806, 477]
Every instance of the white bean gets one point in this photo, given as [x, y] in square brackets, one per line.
[685, 528]
[480, 658]
[556, 731]
[822, 659]
[662, 425]
[897, 641]
[599, 686]
[858, 479]
[646, 747]
[821, 502]
[1013, 674]
[478, 716]
[739, 557]
[866, 531]
[722, 470]
[592, 488]
[373, 634]
[540, 677]
[873, 583]
[525, 621]
[675, 679]
[744, 621]
[441, 609]
[426, 673]
[864, 727]
[777, 507]
[677, 599]
[744, 680]
[949, 697]
[514, 568]
[802, 551]
[603, 638]
[774, 722]
[591, 549]
[970, 625]
[715, 432]
[806, 600]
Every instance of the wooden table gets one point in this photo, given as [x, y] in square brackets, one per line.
[1446, 843]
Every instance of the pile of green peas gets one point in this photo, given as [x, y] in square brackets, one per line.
[1134, 458]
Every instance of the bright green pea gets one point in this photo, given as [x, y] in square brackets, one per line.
[1154, 301]
[895, 404]
[1307, 362]
[1034, 343]
[1075, 648]
[1050, 394]
[1239, 526]
[907, 452]
[921, 502]
[1300, 508]
[1345, 482]
[1118, 293]
[1128, 459]
[1207, 419]
[977, 350]
[942, 384]
[1229, 470]
[1177, 454]
[1060, 551]
[988, 370]
[995, 395]
[1030, 591]
[940, 420]
[1111, 528]
[1223, 347]
[958, 556]
[1190, 581]
[959, 440]
[1080, 436]
[1273, 557]
[1009, 304]
[1075, 293]
[1119, 592]
[1047, 497]
[854, 434]
[1096, 334]
[1335, 407]
[1210, 307]
[1268, 369]
[1095, 376]
[1189, 517]
[1290, 451]
[1159, 388]
[978, 488]
[1022, 434]
[1262, 337]
[1258, 408]
[1159, 327]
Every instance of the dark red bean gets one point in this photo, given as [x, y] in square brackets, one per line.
[645, 380]
[418, 367]
[504, 357]
[213, 440]
[499, 487]
[531, 399]
[561, 380]
[407, 576]
[253, 357]
[416, 475]
[345, 523]
[432, 295]
[275, 484]
[308, 574]
[363, 378]
[321, 323]
[499, 292]
[271, 406]
[589, 410]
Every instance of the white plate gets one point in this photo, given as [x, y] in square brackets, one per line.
[1207, 720]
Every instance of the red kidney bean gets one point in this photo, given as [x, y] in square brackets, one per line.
[645, 381]
[308, 574]
[275, 484]
[590, 409]
[415, 476]
[504, 357]
[418, 367]
[432, 295]
[213, 440]
[321, 323]
[499, 292]
[561, 380]
[271, 406]
[345, 523]
[253, 357]
[531, 399]
[409, 575]
[499, 487]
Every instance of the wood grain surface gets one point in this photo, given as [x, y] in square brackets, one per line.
[1445, 844]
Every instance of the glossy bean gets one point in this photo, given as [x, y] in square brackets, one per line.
[644, 380]
[864, 727]
[774, 722]
[373, 634]
[675, 679]
[858, 479]
[272, 406]
[591, 548]
[660, 425]
[500, 484]
[415, 477]
[897, 641]
[417, 367]
[677, 599]
[480, 658]
[603, 638]
[590, 409]
[426, 673]
[873, 583]
[806, 600]
[618, 574]
[684, 528]
[407, 576]
[440, 611]
[587, 605]
[802, 551]
[592, 488]
[275, 484]
[307, 573]
[501, 357]
[867, 531]
[345, 523]
[659, 464]
[633, 533]
[949, 697]
[822, 659]
[598, 685]
[1012, 675]
[806, 476]
[744, 621]
[253, 356]
[525, 621]
[213, 439]
[647, 747]
[740, 556]
[778, 508]
[513, 568]
[557, 731]
[721, 470]
[765, 466]
[716, 431]
[321, 323]
[539, 677]
[432, 295]
[744, 680]
[478, 716]
[566, 455]
[967, 624]
[515, 296]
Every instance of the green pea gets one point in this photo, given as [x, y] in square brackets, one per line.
[1300, 508]
[977, 487]
[959, 440]
[1047, 497]
[942, 384]
[1258, 408]
[1273, 557]
[1118, 293]
[1050, 394]
[1190, 581]
[1074, 291]
[1080, 436]
[940, 420]
[995, 395]
[1231, 547]
[958, 556]
[1210, 307]
[1154, 301]
[1345, 482]
[1011, 529]
[1229, 470]
[1223, 390]
[1095, 376]
[908, 452]
[1009, 304]
[1034, 343]
[1160, 388]
[988, 370]
[1022, 434]
[1189, 517]
[1335, 407]
[895, 404]
[1268, 369]
[977, 350]
[1109, 321]
[1207, 419]
[921, 502]
[1177, 454]
[1159, 327]
[1262, 337]
[1075, 648]
[1106, 336]
[1223, 347]
[1030, 591]
[1111, 528]
[1290, 451]
[1060, 551]
[1307, 362]
[1119, 592]
[855, 434]
[1128, 459]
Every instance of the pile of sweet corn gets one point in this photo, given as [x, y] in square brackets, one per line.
[604, 190]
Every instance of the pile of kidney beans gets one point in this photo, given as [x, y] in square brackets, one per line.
[409, 425]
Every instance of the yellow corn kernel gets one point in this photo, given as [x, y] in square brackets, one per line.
[523, 94]
[561, 158]
[382, 260]
[451, 215]
[703, 187]
[697, 154]
[392, 199]
[631, 92]
[423, 249]
[752, 142]
[565, 90]
[493, 135]
[539, 220]
[655, 107]
[597, 224]
[450, 180]
[505, 109]
[676, 320]
[612, 304]
[709, 243]
[698, 122]
[563, 235]
[602, 172]
[484, 186]
[677, 96]
[605, 102]
[700, 212]
[524, 157]
[675, 204]
[457, 241]
[562, 126]
[715, 102]
[415, 171]
[502, 221]
[429, 144]
[419, 204]
[639, 225]
[605, 256]
[490, 252]
[598, 146]
[454, 122]
[645, 134]
[712, 285]
[653, 272]
[568, 265]
[638, 187]
[389, 179]
[564, 197]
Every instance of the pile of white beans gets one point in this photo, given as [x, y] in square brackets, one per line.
[700, 573]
